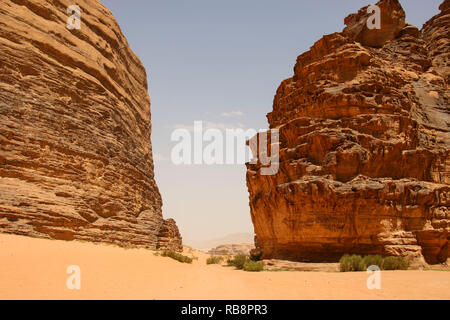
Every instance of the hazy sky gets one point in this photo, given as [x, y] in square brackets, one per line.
[208, 58]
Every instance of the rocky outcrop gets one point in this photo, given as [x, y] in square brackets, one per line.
[392, 20]
[232, 249]
[364, 129]
[75, 153]
[169, 237]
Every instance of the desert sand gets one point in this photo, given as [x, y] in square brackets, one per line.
[36, 269]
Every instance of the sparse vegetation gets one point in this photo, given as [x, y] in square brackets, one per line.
[238, 261]
[177, 256]
[372, 260]
[244, 262]
[350, 263]
[214, 260]
[254, 266]
[395, 263]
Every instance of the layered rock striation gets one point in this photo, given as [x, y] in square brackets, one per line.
[75, 152]
[364, 129]
[169, 237]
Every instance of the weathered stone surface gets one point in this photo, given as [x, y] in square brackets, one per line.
[392, 22]
[76, 158]
[364, 149]
[169, 237]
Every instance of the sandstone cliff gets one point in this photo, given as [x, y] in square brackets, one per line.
[364, 145]
[75, 158]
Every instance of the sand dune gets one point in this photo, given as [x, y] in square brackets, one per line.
[36, 269]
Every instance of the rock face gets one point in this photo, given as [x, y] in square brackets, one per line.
[364, 146]
[76, 158]
[392, 20]
[169, 237]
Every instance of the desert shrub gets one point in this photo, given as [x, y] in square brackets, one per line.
[372, 260]
[177, 256]
[238, 261]
[214, 260]
[357, 263]
[351, 263]
[395, 263]
[255, 255]
[253, 266]
[344, 263]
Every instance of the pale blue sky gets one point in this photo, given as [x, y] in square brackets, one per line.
[208, 57]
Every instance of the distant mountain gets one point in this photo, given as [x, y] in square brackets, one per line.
[232, 249]
[234, 238]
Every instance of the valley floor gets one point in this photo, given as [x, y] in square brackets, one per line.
[36, 269]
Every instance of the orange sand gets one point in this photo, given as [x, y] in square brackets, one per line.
[36, 269]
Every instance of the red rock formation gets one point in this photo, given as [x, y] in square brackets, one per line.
[392, 19]
[364, 146]
[76, 158]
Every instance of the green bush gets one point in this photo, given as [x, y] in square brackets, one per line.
[372, 260]
[214, 260]
[357, 263]
[238, 261]
[177, 256]
[344, 263]
[253, 266]
[351, 263]
[395, 263]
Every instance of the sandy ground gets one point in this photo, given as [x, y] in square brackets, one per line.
[36, 269]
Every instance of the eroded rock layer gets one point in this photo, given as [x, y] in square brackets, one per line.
[169, 237]
[364, 146]
[76, 158]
